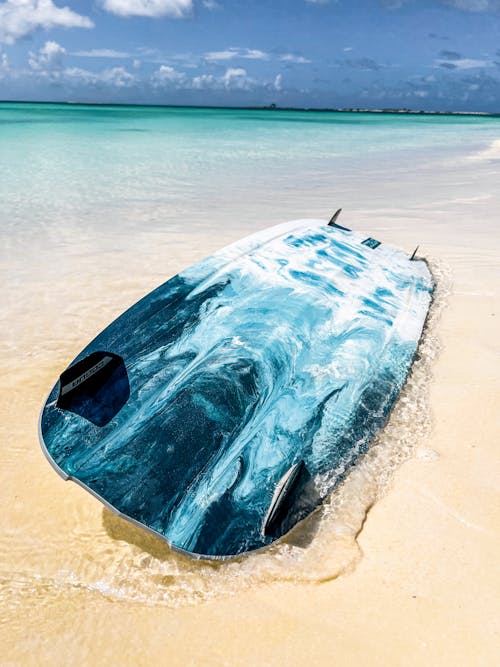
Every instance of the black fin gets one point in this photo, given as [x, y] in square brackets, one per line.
[333, 221]
[414, 254]
[95, 388]
[295, 497]
[335, 216]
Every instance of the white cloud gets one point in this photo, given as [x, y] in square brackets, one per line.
[4, 65]
[228, 54]
[101, 53]
[176, 9]
[231, 53]
[147, 51]
[22, 17]
[464, 5]
[204, 81]
[475, 5]
[394, 4]
[463, 63]
[470, 63]
[167, 75]
[117, 77]
[211, 4]
[237, 79]
[82, 75]
[234, 72]
[291, 58]
[49, 57]
[48, 64]
[234, 78]
[363, 64]
[255, 54]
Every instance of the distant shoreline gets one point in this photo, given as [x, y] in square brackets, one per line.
[271, 107]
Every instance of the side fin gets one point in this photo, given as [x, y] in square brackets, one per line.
[278, 507]
[414, 254]
[335, 216]
[333, 221]
[295, 497]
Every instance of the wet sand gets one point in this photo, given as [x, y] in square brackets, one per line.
[402, 566]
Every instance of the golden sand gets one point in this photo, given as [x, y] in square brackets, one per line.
[400, 567]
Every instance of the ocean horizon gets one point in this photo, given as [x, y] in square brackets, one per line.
[263, 107]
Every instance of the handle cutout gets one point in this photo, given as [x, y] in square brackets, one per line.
[95, 388]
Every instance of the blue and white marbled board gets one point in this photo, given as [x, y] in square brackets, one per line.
[290, 345]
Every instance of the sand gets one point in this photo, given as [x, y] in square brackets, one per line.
[418, 583]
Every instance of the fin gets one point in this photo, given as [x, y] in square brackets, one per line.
[414, 254]
[95, 388]
[283, 489]
[371, 243]
[333, 221]
[294, 498]
[334, 217]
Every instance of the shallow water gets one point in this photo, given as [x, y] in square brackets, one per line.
[71, 263]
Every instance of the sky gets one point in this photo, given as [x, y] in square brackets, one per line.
[416, 54]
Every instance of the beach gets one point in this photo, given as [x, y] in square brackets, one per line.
[400, 566]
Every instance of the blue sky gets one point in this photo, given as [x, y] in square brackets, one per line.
[420, 54]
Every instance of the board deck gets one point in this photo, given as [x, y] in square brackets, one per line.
[224, 406]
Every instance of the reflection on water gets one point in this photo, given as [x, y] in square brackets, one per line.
[67, 543]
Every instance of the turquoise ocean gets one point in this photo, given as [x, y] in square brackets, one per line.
[85, 190]
[102, 170]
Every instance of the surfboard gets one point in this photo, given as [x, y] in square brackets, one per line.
[227, 404]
